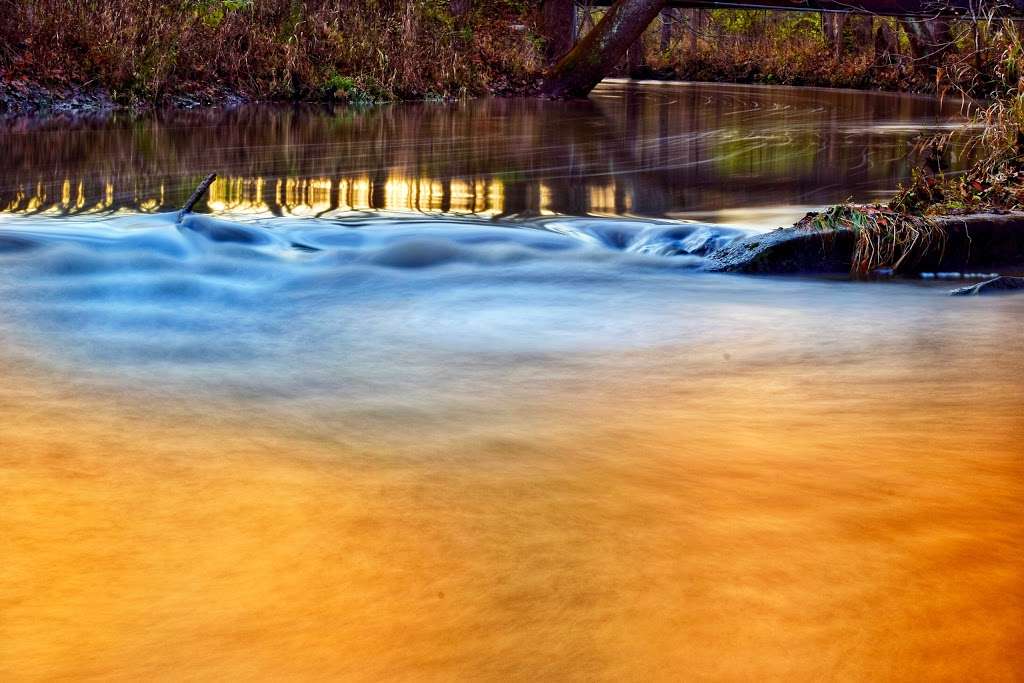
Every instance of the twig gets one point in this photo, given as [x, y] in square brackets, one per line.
[196, 196]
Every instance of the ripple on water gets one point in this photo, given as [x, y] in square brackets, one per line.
[408, 302]
[246, 300]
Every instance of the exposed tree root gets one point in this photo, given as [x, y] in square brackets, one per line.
[886, 239]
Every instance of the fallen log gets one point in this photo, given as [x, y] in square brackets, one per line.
[968, 9]
[197, 195]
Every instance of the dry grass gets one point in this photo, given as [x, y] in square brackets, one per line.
[801, 60]
[885, 239]
[758, 46]
[145, 50]
[996, 180]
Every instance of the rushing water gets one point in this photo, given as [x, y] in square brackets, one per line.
[410, 408]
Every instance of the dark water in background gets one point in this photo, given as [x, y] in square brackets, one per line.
[724, 153]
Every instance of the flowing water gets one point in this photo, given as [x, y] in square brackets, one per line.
[441, 392]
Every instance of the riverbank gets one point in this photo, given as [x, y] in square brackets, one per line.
[141, 54]
[39, 101]
[815, 70]
[22, 97]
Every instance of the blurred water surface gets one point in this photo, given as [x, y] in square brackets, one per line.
[725, 153]
[442, 421]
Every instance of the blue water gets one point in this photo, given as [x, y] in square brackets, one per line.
[377, 316]
[288, 305]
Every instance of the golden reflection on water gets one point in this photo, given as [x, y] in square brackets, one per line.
[646, 150]
[313, 196]
[791, 522]
[317, 196]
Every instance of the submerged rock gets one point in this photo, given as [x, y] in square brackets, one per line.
[217, 230]
[14, 243]
[997, 285]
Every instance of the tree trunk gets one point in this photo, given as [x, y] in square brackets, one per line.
[930, 40]
[459, 8]
[833, 27]
[917, 37]
[861, 30]
[600, 50]
[558, 23]
[667, 24]
[636, 57]
[696, 25]
[886, 43]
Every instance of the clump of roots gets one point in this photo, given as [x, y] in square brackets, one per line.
[885, 239]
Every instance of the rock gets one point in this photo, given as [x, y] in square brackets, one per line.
[974, 243]
[222, 231]
[22, 98]
[786, 250]
[980, 242]
[997, 285]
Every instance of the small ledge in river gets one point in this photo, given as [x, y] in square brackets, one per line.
[982, 242]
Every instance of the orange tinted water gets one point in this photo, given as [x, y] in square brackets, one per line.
[828, 518]
[435, 449]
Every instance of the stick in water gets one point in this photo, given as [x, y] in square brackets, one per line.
[196, 196]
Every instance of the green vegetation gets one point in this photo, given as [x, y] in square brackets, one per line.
[821, 49]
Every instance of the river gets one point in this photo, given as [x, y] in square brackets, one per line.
[440, 391]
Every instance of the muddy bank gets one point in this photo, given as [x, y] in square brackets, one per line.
[984, 242]
[753, 72]
[21, 98]
[25, 98]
